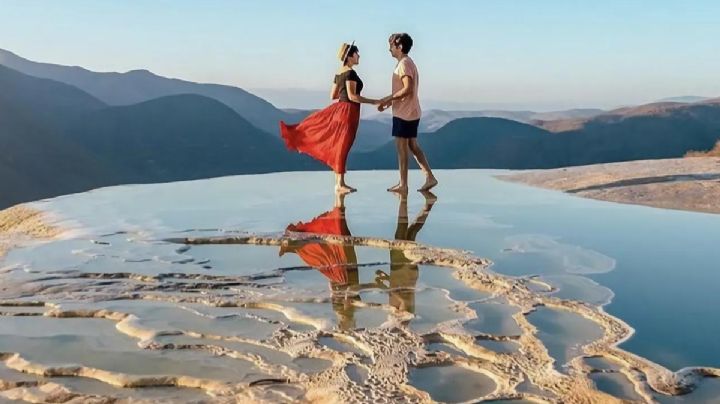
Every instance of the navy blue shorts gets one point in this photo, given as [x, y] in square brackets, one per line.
[405, 129]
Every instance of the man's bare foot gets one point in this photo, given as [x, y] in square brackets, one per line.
[429, 184]
[344, 189]
[430, 198]
[400, 188]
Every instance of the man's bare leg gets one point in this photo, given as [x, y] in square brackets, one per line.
[402, 149]
[430, 180]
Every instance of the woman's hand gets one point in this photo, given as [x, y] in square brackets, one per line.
[385, 103]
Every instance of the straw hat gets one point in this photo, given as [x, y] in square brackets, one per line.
[344, 50]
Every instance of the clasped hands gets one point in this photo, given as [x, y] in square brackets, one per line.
[384, 103]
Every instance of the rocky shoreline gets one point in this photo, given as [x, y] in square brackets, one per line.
[691, 184]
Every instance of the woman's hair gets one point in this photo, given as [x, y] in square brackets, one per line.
[344, 53]
[402, 39]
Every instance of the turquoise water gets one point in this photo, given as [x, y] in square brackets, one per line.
[657, 268]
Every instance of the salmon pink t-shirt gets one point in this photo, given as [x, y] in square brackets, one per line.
[407, 108]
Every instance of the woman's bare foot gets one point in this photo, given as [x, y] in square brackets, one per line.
[398, 188]
[429, 184]
[344, 189]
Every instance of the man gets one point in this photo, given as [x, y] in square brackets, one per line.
[406, 112]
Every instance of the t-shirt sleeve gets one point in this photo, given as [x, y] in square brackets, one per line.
[353, 76]
[405, 69]
[336, 79]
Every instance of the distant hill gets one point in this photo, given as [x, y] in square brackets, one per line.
[469, 143]
[435, 119]
[653, 109]
[294, 98]
[142, 85]
[35, 161]
[181, 137]
[647, 132]
[688, 99]
[57, 139]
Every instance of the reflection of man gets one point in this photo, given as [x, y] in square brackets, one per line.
[403, 273]
[337, 261]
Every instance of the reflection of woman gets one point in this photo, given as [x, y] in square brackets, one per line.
[337, 261]
[403, 273]
[328, 134]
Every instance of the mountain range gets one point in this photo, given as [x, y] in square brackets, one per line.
[435, 119]
[58, 138]
[652, 131]
[141, 85]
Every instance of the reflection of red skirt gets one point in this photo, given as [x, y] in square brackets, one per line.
[331, 259]
[326, 135]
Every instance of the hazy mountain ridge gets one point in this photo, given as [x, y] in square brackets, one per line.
[141, 85]
[58, 139]
[652, 109]
[435, 119]
[499, 143]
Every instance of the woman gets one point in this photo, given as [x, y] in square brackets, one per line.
[328, 134]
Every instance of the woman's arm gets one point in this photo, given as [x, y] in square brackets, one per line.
[355, 97]
[334, 92]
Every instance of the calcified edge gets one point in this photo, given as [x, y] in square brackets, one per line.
[534, 361]
[21, 224]
[392, 348]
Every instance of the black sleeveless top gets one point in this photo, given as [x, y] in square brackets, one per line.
[340, 80]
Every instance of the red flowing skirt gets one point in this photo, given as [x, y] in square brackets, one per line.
[330, 259]
[326, 135]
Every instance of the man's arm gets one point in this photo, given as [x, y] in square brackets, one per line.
[405, 91]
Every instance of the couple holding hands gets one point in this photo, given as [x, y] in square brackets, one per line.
[328, 134]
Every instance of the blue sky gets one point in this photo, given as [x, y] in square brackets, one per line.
[514, 54]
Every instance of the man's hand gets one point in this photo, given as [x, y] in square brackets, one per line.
[385, 103]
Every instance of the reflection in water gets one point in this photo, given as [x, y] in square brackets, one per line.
[339, 263]
[403, 273]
